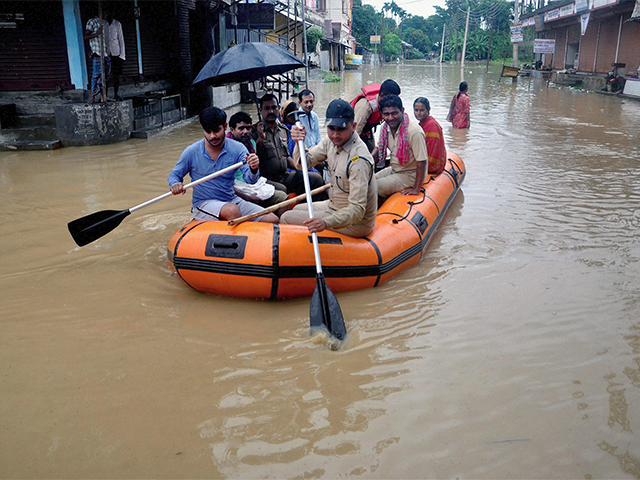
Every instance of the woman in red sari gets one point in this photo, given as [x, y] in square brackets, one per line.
[459, 111]
[432, 134]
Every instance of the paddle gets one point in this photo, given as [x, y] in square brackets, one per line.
[91, 227]
[324, 310]
[277, 206]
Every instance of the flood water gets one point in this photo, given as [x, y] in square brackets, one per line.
[511, 351]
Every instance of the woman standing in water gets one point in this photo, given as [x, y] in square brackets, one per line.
[459, 111]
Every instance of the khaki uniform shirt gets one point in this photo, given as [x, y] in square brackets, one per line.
[362, 111]
[417, 149]
[273, 152]
[354, 194]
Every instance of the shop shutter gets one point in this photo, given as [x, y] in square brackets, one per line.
[33, 50]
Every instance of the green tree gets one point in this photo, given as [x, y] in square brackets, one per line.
[419, 40]
[477, 45]
[392, 45]
[366, 22]
[314, 34]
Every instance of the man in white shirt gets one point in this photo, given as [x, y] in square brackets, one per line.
[310, 121]
[116, 50]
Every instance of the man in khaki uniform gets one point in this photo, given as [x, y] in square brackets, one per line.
[271, 138]
[353, 201]
[367, 112]
[409, 157]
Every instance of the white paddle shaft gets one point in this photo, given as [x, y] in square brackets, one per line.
[189, 185]
[307, 190]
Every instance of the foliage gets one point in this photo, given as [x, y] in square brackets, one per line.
[414, 53]
[425, 34]
[366, 22]
[419, 40]
[314, 34]
[329, 77]
[392, 45]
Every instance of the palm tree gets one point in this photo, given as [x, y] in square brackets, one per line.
[477, 44]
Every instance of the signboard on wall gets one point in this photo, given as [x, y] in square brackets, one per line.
[516, 34]
[543, 45]
[351, 59]
[564, 11]
[603, 3]
[582, 6]
[567, 10]
[552, 15]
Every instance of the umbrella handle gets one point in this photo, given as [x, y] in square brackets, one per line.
[255, 98]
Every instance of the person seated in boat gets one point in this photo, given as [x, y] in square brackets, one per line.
[288, 121]
[353, 204]
[271, 138]
[310, 121]
[240, 125]
[216, 199]
[406, 141]
[367, 109]
[432, 135]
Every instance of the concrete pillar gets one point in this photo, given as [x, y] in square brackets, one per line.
[81, 124]
[74, 31]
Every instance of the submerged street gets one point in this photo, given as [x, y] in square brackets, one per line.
[511, 351]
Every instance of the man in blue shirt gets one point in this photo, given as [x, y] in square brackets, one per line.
[216, 199]
[310, 121]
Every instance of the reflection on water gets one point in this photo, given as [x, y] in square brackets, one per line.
[510, 351]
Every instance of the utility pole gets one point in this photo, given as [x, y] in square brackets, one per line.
[444, 29]
[375, 50]
[466, 31]
[490, 40]
[516, 21]
[382, 35]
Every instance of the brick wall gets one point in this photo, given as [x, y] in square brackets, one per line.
[630, 45]
[561, 47]
[574, 32]
[604, 46]
[607, 44]
[588, 47]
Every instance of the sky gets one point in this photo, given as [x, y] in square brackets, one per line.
[423, 8]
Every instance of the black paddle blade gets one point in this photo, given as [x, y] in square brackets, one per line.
[87, 229]
[325, 312]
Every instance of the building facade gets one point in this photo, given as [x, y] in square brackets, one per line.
[590, 36]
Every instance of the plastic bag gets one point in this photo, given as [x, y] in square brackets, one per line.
[254, 192]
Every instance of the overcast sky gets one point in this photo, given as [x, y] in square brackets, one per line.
[424, 8]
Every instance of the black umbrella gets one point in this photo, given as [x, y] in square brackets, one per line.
[247, 62]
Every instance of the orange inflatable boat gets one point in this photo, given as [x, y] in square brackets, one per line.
[262, 260]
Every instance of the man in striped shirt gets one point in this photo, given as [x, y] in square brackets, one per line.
[97, 34]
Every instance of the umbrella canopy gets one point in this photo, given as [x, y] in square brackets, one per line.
[247, 62]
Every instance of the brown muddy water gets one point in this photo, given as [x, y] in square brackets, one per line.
[511, 351]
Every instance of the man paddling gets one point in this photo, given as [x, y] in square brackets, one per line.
[352, 207]
[215, 199]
